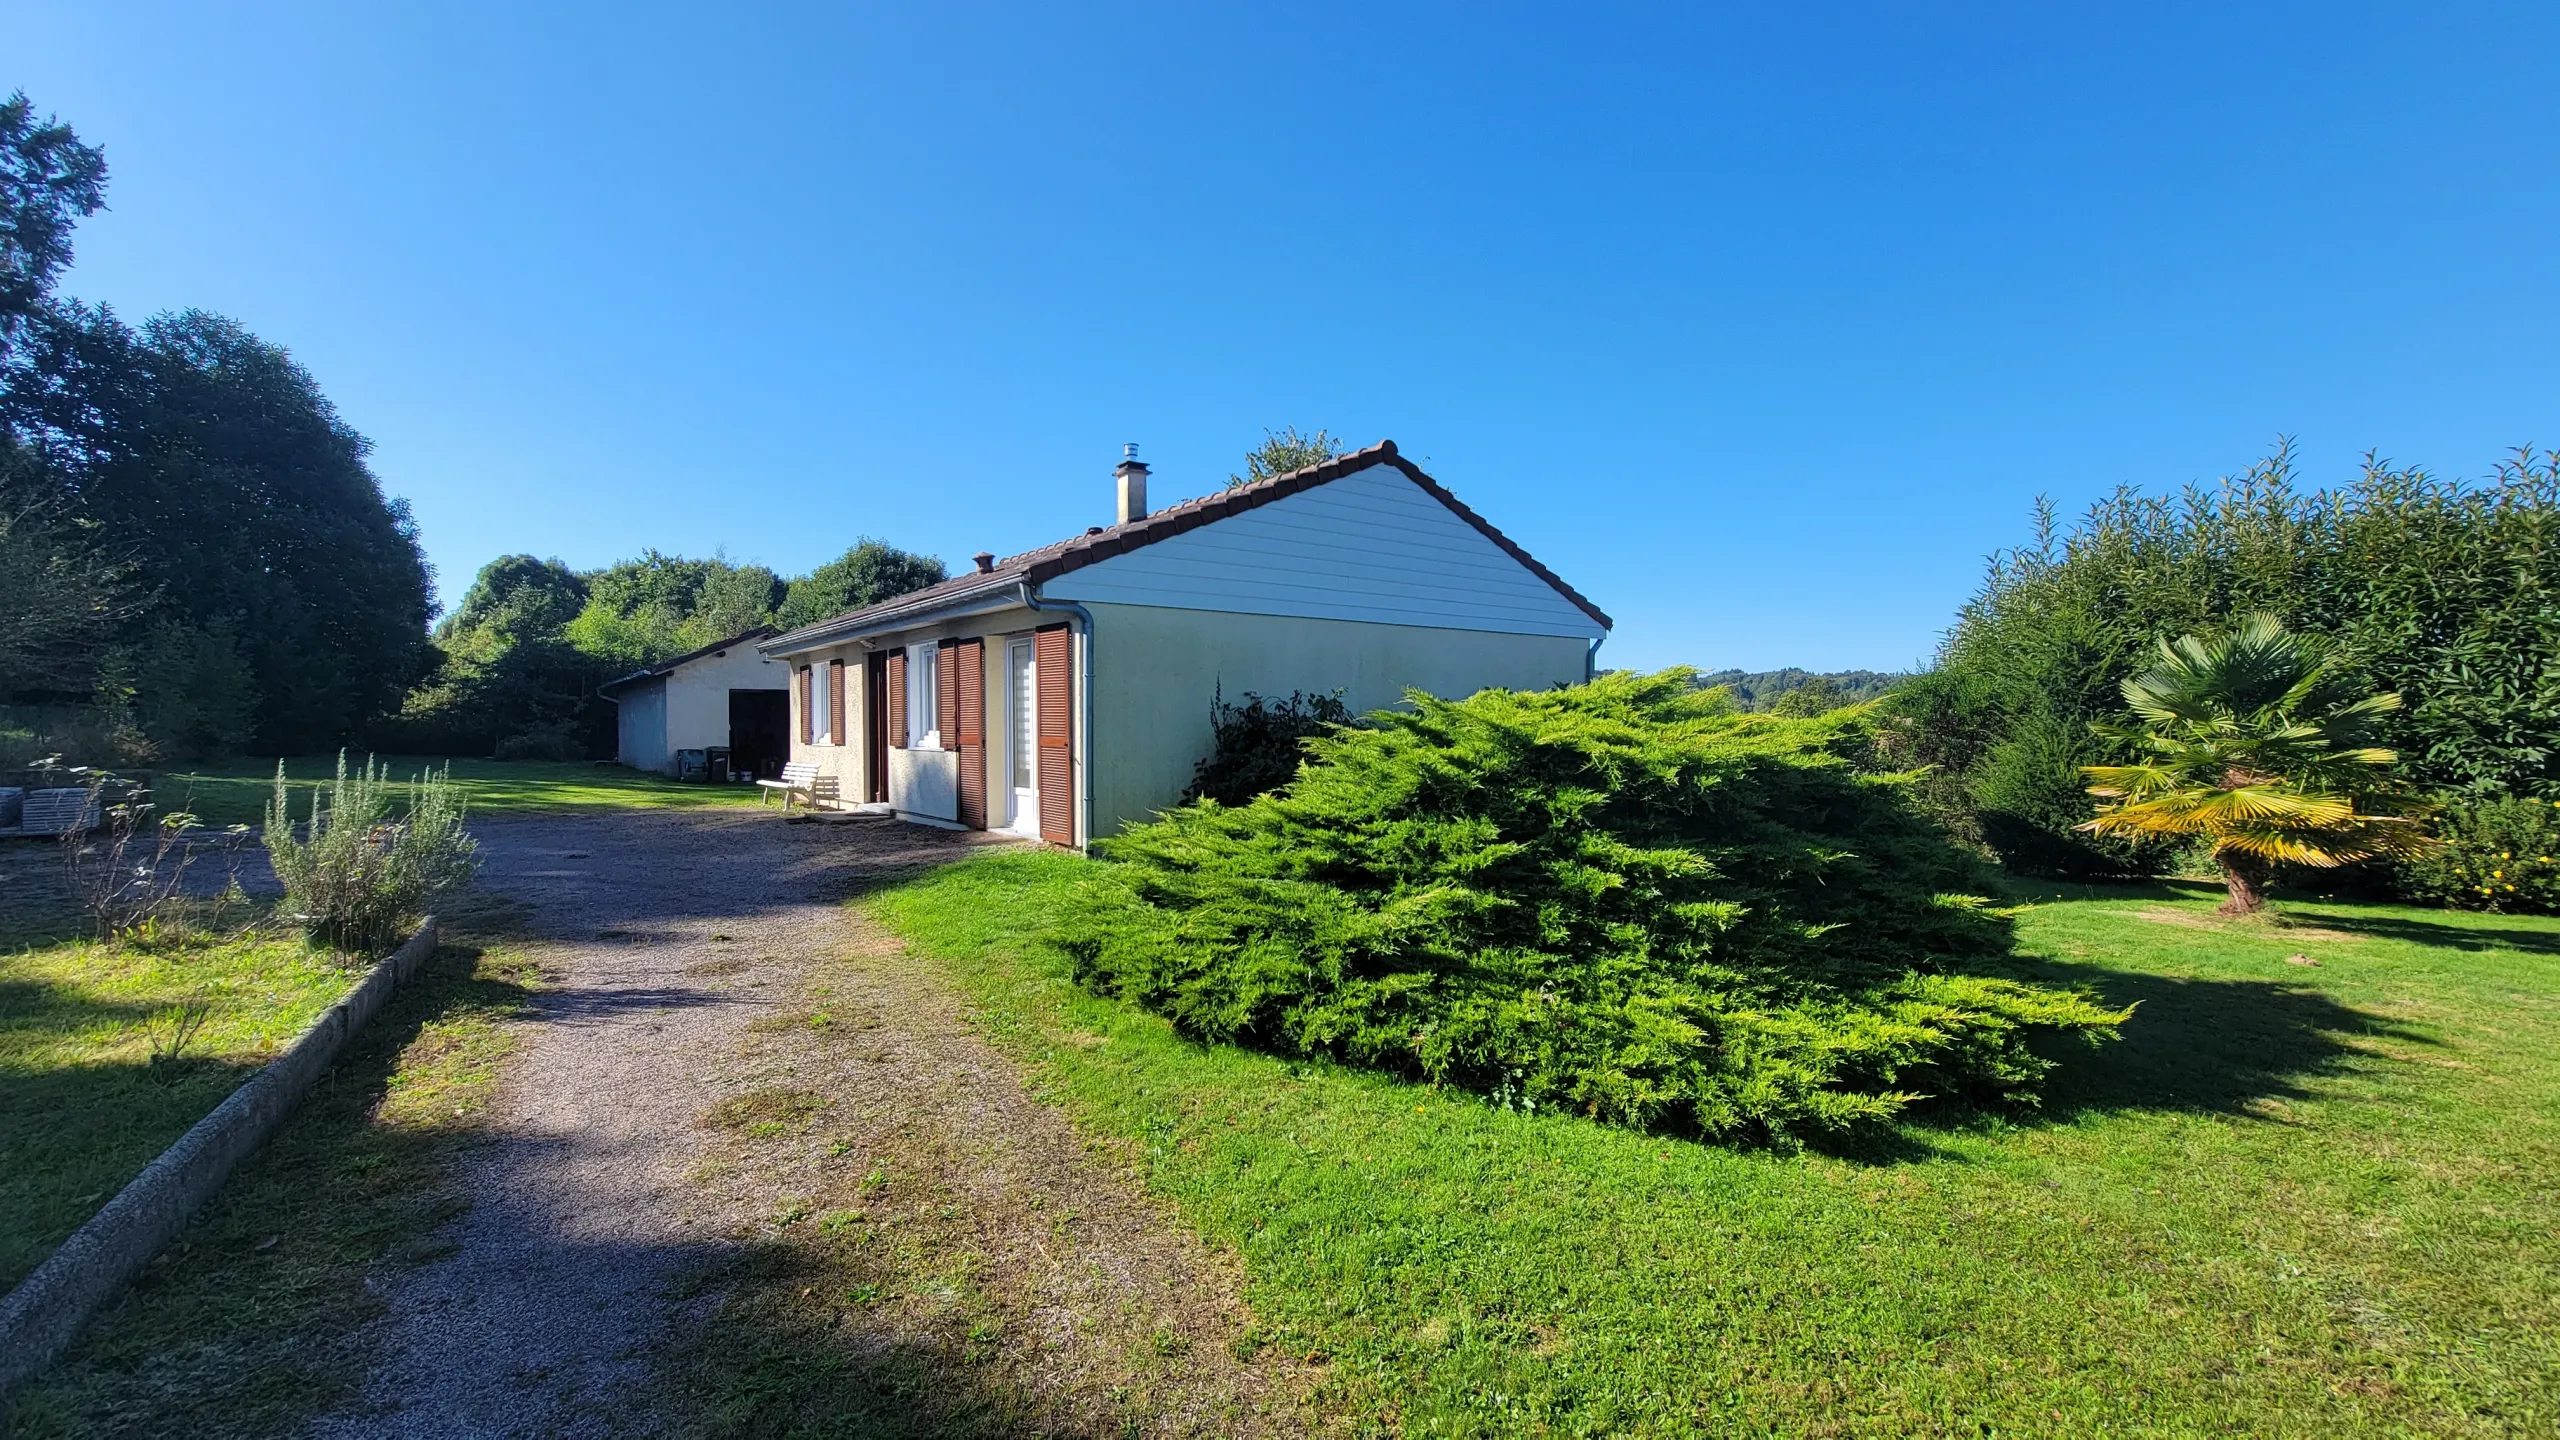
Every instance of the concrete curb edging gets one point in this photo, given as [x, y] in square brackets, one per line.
[47, 1310]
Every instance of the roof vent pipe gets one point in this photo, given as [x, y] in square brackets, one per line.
[986, 561]
[1130, 475]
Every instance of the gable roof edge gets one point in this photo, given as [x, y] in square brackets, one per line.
[668, 667]
[1192, 514]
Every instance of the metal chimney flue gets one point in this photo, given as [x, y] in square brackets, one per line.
[1129, 478]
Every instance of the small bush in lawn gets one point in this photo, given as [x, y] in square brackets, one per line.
[1257, 744]
[366, 863]
[1618, 898]
[2501, 854]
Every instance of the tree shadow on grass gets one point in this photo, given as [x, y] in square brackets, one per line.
[2220, 1047]
[2435, 933]
[2194, 1046]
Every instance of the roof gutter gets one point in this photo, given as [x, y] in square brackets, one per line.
[1030, 596]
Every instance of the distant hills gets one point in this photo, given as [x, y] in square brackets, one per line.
[1756, 688]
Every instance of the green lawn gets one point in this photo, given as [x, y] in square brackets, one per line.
[82, 1106]
[237, 793]
[2296, 1199]
[252, 1321]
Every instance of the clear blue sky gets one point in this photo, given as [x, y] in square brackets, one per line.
[1760, 327]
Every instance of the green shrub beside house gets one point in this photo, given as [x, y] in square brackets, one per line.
[1620, 899]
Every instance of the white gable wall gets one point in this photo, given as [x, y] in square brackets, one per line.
[698, 695]
[1370, 546]
[688, 707]
[1157, 672]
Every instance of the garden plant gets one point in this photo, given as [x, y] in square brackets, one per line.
[2254, 744]
[364, 864]
[1622, 899]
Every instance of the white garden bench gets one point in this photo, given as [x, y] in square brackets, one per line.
[800, 782]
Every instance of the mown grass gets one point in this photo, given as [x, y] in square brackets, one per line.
[237, 793]
[249, 1324]
[84, 1106]
[2296, 1199]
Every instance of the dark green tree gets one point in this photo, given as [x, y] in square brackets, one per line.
[655, 581]
[49, 182]
[870, 572]
[541, 594]
[65, 596]
[736, 599]
[242, 497]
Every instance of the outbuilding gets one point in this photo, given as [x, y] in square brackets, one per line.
[722, 697]
[1067, 691]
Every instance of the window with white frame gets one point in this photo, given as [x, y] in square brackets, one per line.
[820, 731]
[923, 723]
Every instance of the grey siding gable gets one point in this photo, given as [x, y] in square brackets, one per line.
[1372, 545]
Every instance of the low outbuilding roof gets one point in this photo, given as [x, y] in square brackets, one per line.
[1036, 567]
[664, 667]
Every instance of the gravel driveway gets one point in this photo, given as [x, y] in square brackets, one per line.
[663, 938]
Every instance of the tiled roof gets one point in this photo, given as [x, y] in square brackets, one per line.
[1037, 567]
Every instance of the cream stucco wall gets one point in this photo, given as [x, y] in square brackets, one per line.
[1157, 671]
[924, 783]
[840, 763]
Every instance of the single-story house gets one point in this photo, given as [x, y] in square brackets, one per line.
[726, 696]
[1067, 691]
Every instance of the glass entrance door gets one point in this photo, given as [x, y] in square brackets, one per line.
[1022, 688]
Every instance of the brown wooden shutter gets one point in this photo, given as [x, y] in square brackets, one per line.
[898, 698]
[967, 682]
[808, 716]
[1055, 656]
[946, 696]
[837, 728]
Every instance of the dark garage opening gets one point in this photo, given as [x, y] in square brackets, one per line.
[759, 732]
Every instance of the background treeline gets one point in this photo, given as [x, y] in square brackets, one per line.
[516, 665]
[1807, 692]
[2445, 591]
[194, 553]
[196, 558]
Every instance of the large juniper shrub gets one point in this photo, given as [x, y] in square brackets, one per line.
[1620, 898]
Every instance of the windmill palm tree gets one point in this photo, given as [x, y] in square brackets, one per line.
[2254, 742]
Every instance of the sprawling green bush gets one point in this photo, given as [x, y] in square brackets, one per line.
[1619, 898]
[2501, 854]
[2443, 591]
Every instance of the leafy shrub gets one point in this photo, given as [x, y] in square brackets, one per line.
[1619, 898]
[357, 876]
[2501, 854]
[2443, 591]
[1257, 745]
[543, 740]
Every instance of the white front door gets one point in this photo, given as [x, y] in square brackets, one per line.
[1021, 745]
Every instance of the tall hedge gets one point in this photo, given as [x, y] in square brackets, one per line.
[1621, 899]
[2445, 591]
